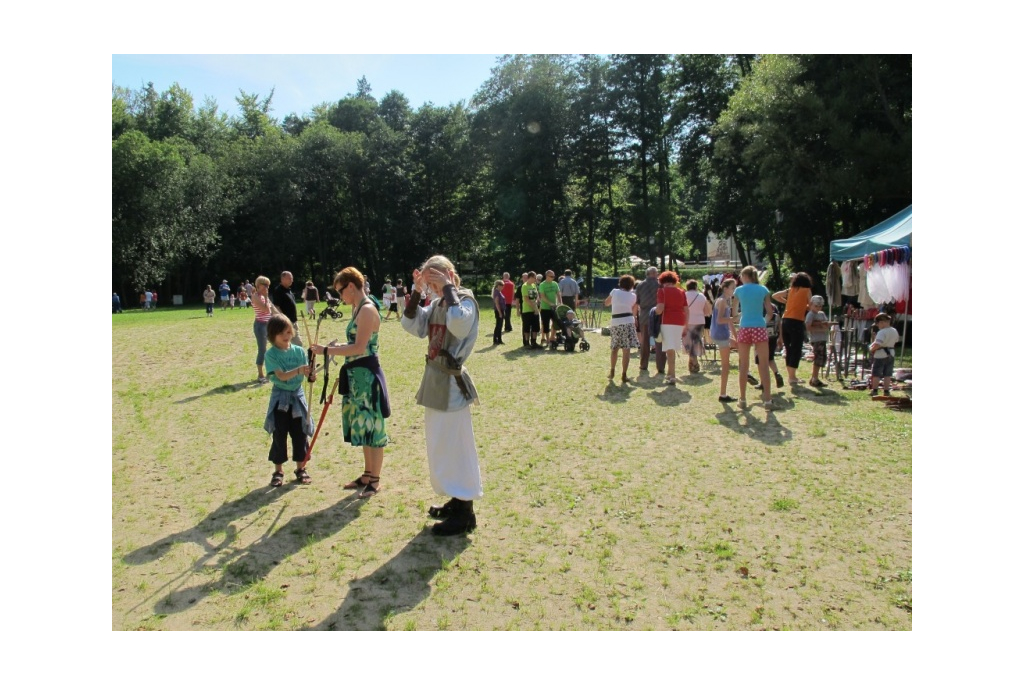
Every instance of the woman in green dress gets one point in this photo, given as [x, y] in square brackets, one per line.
[364, 402]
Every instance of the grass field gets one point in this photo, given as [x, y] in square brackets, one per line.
[607, 506]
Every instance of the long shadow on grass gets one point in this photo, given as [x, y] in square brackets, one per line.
[670, 396]
[518, 351]
[397, 586]
[220, 390]
[697, 379]
[616, 394]
[239, 568]
[750, 423]
[821, 396]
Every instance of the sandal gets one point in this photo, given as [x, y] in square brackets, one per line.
[371, 488]
[277, 480]
[726, 398]
[358, 482]
[302, 477]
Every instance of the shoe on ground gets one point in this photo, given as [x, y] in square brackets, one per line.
[461, 519]
[874, 393]
[726, 398]
[887, 393]
[778, 380]
[752, 380]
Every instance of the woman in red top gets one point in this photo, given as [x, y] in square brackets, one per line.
[674, 313]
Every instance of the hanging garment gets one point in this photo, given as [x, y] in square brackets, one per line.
[849, 273]
[834, 284]
[863, 296]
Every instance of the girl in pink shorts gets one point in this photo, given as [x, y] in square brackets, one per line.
[755, 301]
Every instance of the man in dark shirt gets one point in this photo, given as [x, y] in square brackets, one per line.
[284, 300]
[647, 297]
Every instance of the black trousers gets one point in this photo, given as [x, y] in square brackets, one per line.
[286, 425]
[497, 325]
[508, 317]
[793, 339]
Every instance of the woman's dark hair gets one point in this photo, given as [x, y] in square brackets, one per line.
[691, 285]
[626, 282]
[800, 280]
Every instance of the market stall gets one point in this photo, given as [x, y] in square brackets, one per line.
[872, 270]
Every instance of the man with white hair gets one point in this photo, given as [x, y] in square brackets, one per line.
[646, 299]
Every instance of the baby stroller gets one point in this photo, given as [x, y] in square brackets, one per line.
[570, 331]
[332, 308]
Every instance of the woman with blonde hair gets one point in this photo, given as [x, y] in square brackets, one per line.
[450, 324]
[263, 309]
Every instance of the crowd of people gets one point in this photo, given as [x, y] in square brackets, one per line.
[659, 316]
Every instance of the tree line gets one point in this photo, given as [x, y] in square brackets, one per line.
[557, 161]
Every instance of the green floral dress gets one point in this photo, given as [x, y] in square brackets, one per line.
[361, 420]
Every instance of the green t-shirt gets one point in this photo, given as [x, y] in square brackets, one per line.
[285, 360]
[548, 289]
[529, 297]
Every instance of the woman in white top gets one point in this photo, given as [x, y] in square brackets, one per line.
[623, 325]
[693, 335]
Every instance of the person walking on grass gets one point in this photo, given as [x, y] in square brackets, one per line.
[529, 296]
[311, 296]
[549, 299]
[284, 300]
[261, 308]
[646, 299]
[508, 291]
[698, 309]
[622, 300]
[755, 301]
[772, 328]
[723, 334]
[498, 298]
[365, 405]
[796, 298]
[569, 290]
[446, 390]
[287, 413]
[208, 298]
[225, 295]
[674, 314]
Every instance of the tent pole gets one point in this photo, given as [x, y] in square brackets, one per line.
[903, 344]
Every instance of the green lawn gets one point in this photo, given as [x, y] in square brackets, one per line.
[606, 506]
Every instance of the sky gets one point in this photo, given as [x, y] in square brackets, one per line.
[300, 82]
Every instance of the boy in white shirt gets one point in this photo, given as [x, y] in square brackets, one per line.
[883, 354]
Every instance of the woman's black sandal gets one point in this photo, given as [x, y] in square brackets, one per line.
[302, 477]
[371, 488]
[358, 482]
[277, 480]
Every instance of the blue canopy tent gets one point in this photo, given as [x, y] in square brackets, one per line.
[896, 231]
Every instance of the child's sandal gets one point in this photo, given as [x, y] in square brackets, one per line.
[302, 477]
[277, 480]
